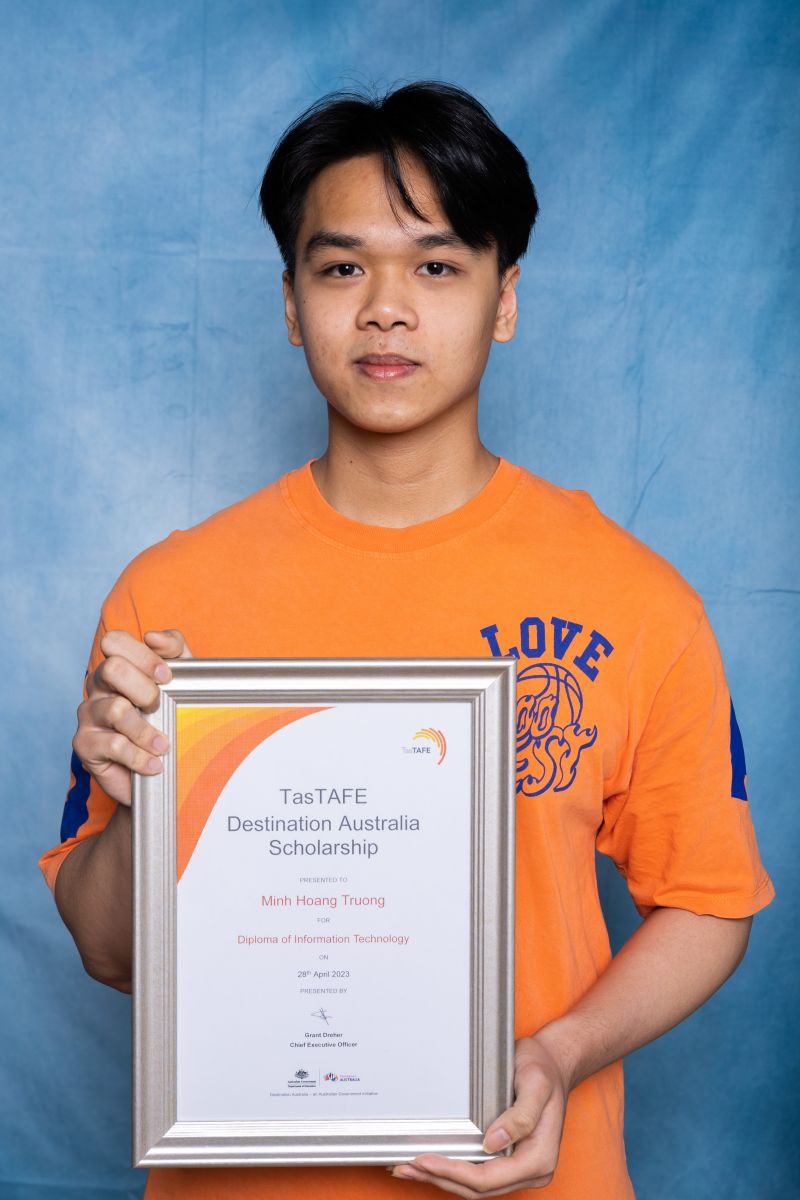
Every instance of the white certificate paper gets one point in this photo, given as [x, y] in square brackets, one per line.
[323, 911]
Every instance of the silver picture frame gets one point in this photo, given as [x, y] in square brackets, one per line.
[159, 1138]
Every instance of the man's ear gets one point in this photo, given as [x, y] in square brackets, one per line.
[290, 310]
[506, 319]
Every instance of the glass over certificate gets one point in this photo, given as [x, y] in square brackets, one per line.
[323, 912]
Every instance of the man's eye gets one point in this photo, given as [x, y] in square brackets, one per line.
[342, 270]
[436, 268]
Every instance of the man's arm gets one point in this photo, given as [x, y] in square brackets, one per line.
[668, 968]
[93, 894]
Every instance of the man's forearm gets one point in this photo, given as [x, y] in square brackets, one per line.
[669, 967]
[93, 894]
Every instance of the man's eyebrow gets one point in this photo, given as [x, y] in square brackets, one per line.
[442, 237]
[325, 238]
[328, 239]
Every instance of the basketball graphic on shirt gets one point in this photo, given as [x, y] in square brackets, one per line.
[550, 738]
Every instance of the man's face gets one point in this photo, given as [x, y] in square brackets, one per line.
[368, 290]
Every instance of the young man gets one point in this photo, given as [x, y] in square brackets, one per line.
[401, 223]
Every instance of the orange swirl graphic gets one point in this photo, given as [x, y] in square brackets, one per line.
[437, 737]
[211, 744]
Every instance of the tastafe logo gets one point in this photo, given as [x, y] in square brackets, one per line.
[550, 738]
[437, 737]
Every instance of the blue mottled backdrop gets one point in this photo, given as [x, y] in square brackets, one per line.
[146, 381]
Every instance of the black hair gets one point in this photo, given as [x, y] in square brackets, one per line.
[479, 174]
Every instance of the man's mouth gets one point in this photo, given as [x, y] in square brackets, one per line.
[385, 366]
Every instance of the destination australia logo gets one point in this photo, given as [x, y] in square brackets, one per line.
[437, 749]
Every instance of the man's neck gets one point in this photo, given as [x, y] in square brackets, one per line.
[397, 480]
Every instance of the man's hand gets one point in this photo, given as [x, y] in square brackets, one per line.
[93, 885]
[113, 738]
[533, 1125]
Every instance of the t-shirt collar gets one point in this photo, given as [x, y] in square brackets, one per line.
[309, 505]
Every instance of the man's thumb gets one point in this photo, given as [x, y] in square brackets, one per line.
[169, 643]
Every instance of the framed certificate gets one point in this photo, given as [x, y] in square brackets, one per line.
[323, 912]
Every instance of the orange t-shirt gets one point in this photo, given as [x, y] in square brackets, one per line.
[626, 736]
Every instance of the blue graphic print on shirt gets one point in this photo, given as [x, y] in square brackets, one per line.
[550, 737]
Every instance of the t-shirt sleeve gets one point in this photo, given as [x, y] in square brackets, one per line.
[88, 809]
[682, 833]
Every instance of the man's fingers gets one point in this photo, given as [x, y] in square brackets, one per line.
[500, 1177]
[533, 1091]
[98, 749]
[168, 643]
[147, 659]
[113, 738]
[530, 1166]
[469, 1193]
[118, 643]
[118, 676]
[119, 714]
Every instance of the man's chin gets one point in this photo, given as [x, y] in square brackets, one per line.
[386, 422]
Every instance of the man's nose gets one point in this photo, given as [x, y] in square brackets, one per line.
[387, 302]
